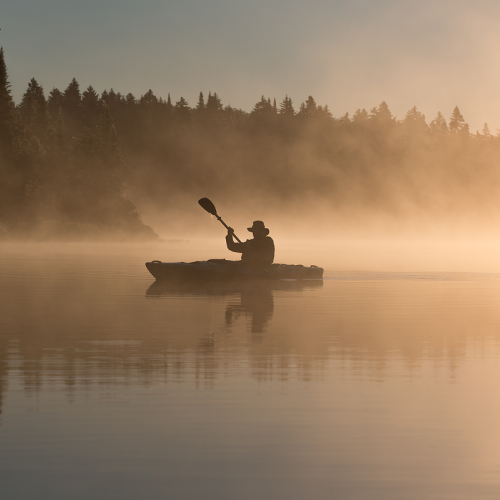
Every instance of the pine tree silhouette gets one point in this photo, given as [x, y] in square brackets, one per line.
[438, 125]
[457, 121]
[34, 110]
[7, 116]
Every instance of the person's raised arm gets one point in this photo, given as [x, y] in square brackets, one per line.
[231, 244]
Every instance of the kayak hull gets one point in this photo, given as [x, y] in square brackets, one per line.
[220, 269]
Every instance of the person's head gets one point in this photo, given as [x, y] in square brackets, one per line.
[258, 229]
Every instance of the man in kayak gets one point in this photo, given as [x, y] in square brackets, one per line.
[259, 251]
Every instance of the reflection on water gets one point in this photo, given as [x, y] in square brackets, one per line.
[362, 386]
[252, 299]
[258, 304]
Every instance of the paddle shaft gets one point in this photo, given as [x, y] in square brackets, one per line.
[227, 227]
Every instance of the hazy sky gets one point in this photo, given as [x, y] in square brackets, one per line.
[347, 54]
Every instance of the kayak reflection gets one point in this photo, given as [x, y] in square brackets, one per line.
[253, 299]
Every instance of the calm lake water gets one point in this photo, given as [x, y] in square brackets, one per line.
[368, 385]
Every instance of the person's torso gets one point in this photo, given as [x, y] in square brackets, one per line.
[259, 251]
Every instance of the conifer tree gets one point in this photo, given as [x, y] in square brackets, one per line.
[71, 106]
[200, 106]
[457, 121]
[381, 116]
[90, 107]
[324, 112]
[438, 125]
[214, 104]
[7, 116]
[345, 121]
[72, 99]
[414, 122]
[262, 108]
[360, 117]
[114, 100]
[8, 127]
[148, 99]
[130, 100]
[182, 111]
[34, 110]
[55, 102]
[309, 107]
[262, 116]
[286, 107]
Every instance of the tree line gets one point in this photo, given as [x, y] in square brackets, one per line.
[62, 168]
[69, 158]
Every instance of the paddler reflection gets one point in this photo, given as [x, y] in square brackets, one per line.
[253, 300]
[256, 303]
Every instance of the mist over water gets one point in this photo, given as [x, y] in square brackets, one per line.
[373, 383]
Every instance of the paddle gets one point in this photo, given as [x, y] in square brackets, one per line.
[210, 208]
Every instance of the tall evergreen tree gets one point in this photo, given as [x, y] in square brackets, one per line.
[457, 122]
[286, 107]
[200, 106]
[7, 111]
[438, 125]
[55, 102]
[309, 107]
[71, 106]
[182, 111]
[90, 107]
[130, 100]
[262, 108]
[72, 98]
[382, 116]
[214, 104]
[360, 117]
[414, 122]
[263, 117]
[34, 110]
[148, 99]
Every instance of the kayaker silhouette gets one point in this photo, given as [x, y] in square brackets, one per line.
[259, 251]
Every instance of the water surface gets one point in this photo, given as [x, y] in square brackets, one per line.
[368, 385]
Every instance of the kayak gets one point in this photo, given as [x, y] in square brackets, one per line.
[221, 269]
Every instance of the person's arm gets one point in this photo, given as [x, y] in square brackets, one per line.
[231, 244]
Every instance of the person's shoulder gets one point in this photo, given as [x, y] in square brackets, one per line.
[269, 239]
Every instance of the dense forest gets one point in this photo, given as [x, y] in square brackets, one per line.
[72, 160]
[62, 169]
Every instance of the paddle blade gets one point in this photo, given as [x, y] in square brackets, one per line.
[208, 206]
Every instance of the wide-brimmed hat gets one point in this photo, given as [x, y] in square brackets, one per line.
[258, 227]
